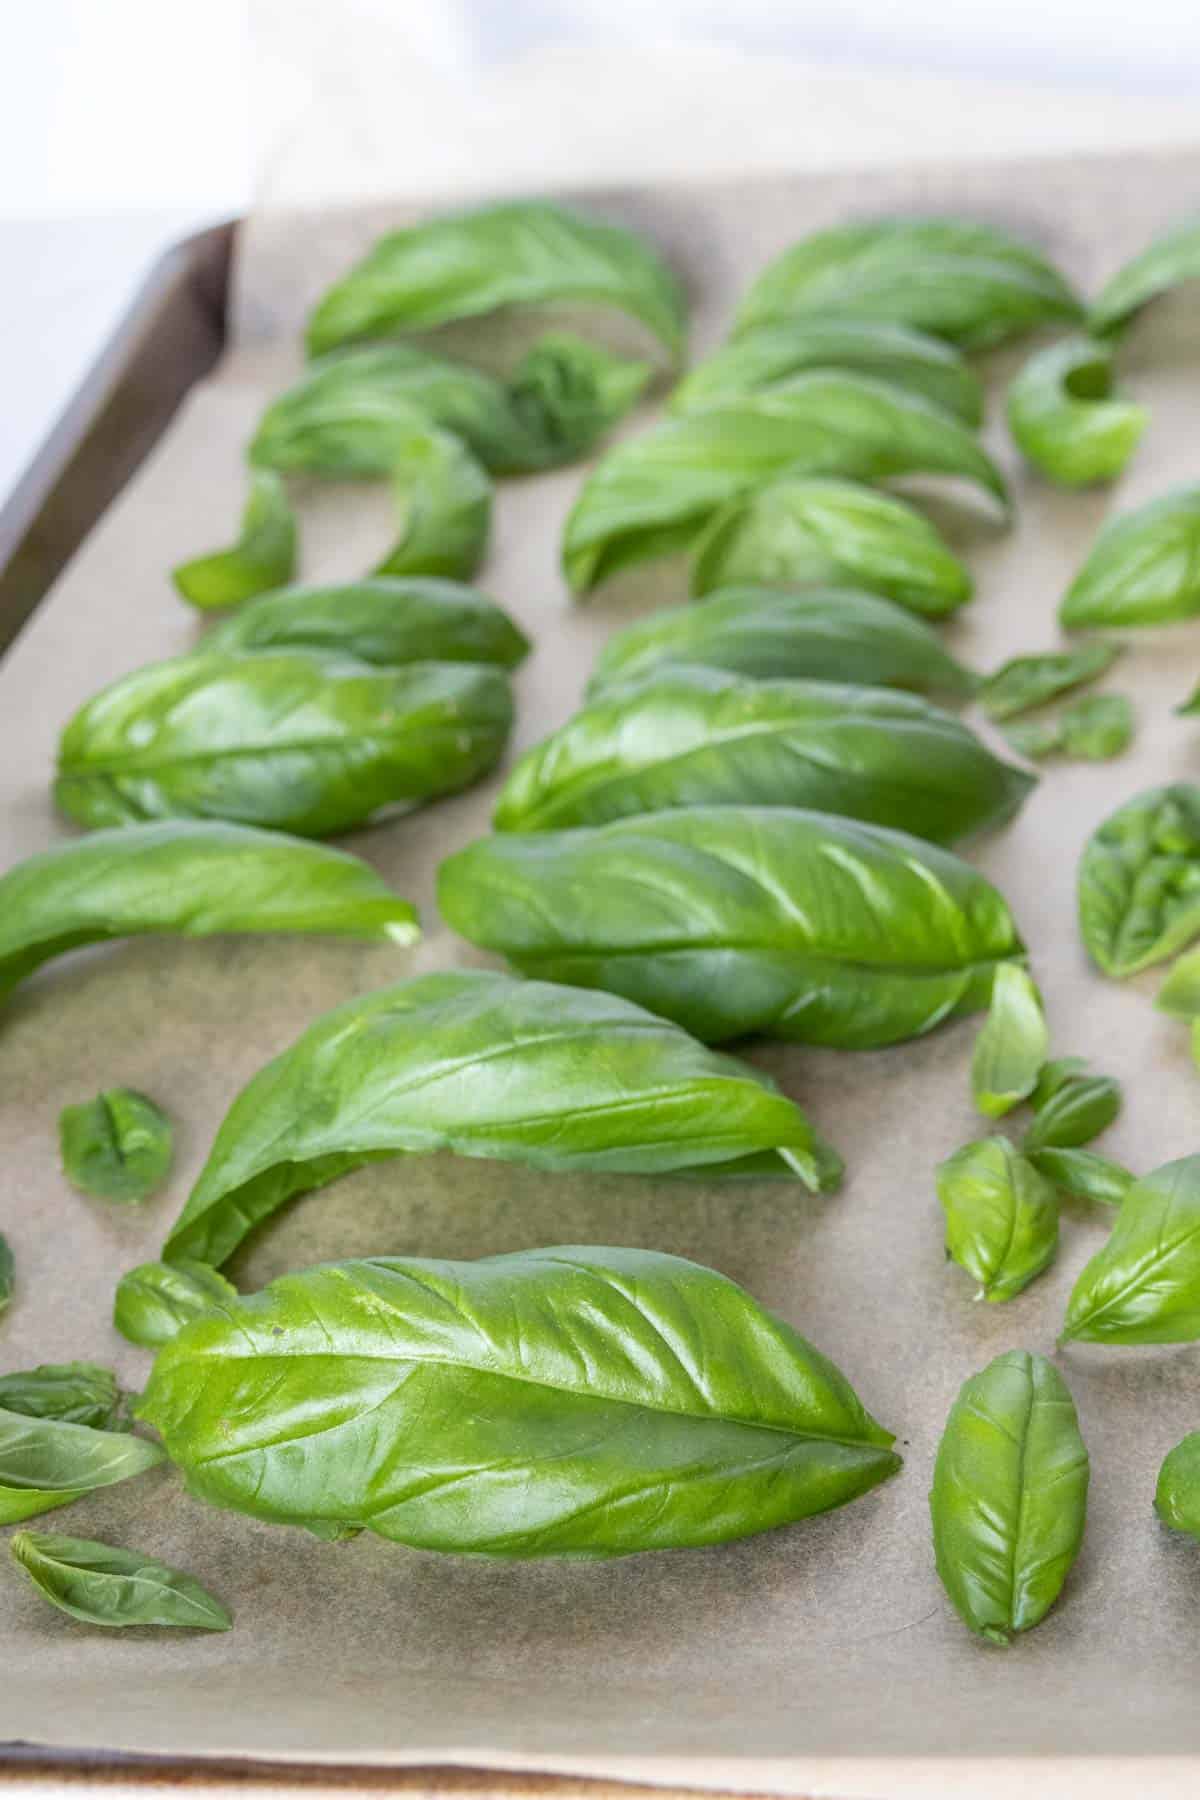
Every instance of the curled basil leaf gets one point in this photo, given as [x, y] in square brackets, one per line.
[1066, 419]
[8, 1271]
[1009, 1498]
[1084, 1174]
[1092, 728]
[1177, 1495]
[1143, 569]
[1139, 881]
[157, 1300]
[76, 1393]
[569, 1401]
[1024, 682]
[117, 1146]
[574, 1081]
[103, 1585]
[955, 278]
[1078, 1110]
[1169, 261]
[699, 737]
[1143, 1287]
[192, 878]
[264, 556]
[809, 531]
[444, 496]
[1001, 1216]
[571, 393]
[1010, 1050]
[46, 1463]
[732, 920]
[283, 738]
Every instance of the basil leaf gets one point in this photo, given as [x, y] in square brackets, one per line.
[382, 620]
[574, 1081]
[1054, 1078]
[1075, 1113]
[1034, 738]
[1084, 1174]
[571, 393]
[287, 738]
[1143, 569]
[697, 737]
[1177, 1495]
[264, 556]
[1009, 1498]
[8, 1271]
[1065, 418]
[1096, 726]
[1143, 1287]
[954, 278]
[189, 877]
[1169, 261]
[1028, 681]
[570, 1401]
[45, 1463]
[103, 1585]
[1001, 1216]
[808, 532]
[1011, 1048]
[77, 1393]
[117, 1146]
[445, 501]
[652, 494]
[769, 353]
[1139, 881]
[157, 1300]
[1180, 992]
[731, 920]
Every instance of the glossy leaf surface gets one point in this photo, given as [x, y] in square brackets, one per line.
[1084, 1174]
[1078, 1110]
[1177, 1495]
[1169, 261]
[1001, 1216]
[117, 1146]
[1066, 419]
[1139, 880]
[77, 1393]
[157, 1300]
[1024, 682]
[103, 1585]
[264, 556]
[1143, 569]
[1011, 1047]
[46, 1463]
[444, 498]
[1143, 1287]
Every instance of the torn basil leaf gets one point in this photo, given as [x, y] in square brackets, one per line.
[77, 1393]
[264, 556]
[1010, 1050]
[1170, 260]
[1024, 682]
[46, 1463]
[1139, 881]
[157, 1300]
[117, 1146]
[1143, 569]
[1077, 1110]
[8, 1271]
[103, 1585]
[1143, 1287]
[444, 498]
[1066, 419]
[1177, 1495]
[1084, 1174]
[1001, 1216]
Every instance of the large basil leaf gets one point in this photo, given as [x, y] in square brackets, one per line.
[444, 496]
[77, 1393]
[1010, 1050]
[1001, 1216]
[732, 920]
[8, 1270]
[1078, 1110]
[807, 531]
[1009, 1498]
[157, 1300]
[570, 1401]
[487, 1066]
[264, 556]
[386, 620]
[117, 1146]
[514, 253]
[1066, 419]
[103, 1585]
[1024, 682]
[652, 494]
[696, 737]
[1093, 728]
[1143, 569]
[890, 352]
[1143, 1287]
[1084, 1174]
[955, 278]
[1139, 880]
[1170, 260]
[1177, 1495]
[193, 879]
[45, 1463]
[286, 738]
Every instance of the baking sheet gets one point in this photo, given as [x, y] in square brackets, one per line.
[822, 1658]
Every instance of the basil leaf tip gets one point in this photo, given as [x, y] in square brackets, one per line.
[117, 1146]
[100, 1584]
[1170, 260]
[48, 1462]
[264, 556]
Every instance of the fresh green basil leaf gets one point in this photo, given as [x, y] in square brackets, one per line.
[1065, 418]
[117, 1146]
[8, 1271]
[1009, 1497]
[191, 878]
[731, 920]
[283, 738]
[1034, 738]
[103, 1585]
[654, 493]
[1139, 881]
[157, 1300]
[954, 278]
[774, 352]
[76, 1393]
[1011, 1048]
[1177, 1495]
[1096, 726]
[1076, 1112]
[569, 1401]
[574, 1081]
[1143, 1287]
[444, 496]
[571, 393]
[264, 556]
[809, 531]
[699, 737]
[1054, 1077]
[1024, 682]
[1180, 992]
[1001, 1216]
[1169, 261]
[46, 1463]
[1085, 1174]
[1143, 569]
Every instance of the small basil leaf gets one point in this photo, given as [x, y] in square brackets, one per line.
[444, 497]
[1011, 1048]
[1075, 1113]
[76, 1393]
[1084, 1174]
[8, 1270]
[575, 1081]
[102, 1585]
[1065, 418]
[117, 1146]
[1034, 738]
[1028, 681]
[1143, 1287]
[1009, 1498]
[1139, 881]
[809, 532]
[46, 1463]
[157, 1300]
[1170, 260]
[697, 737]
[1180, 992]
[1177, 1495]
[283, 738]
[1001, 1216]
[1143, 569]
[569, 1401]
[571, 393]
[1054, 1077]
[264, 556]
[1096, 726]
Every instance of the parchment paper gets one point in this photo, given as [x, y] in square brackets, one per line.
[822, 1658]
